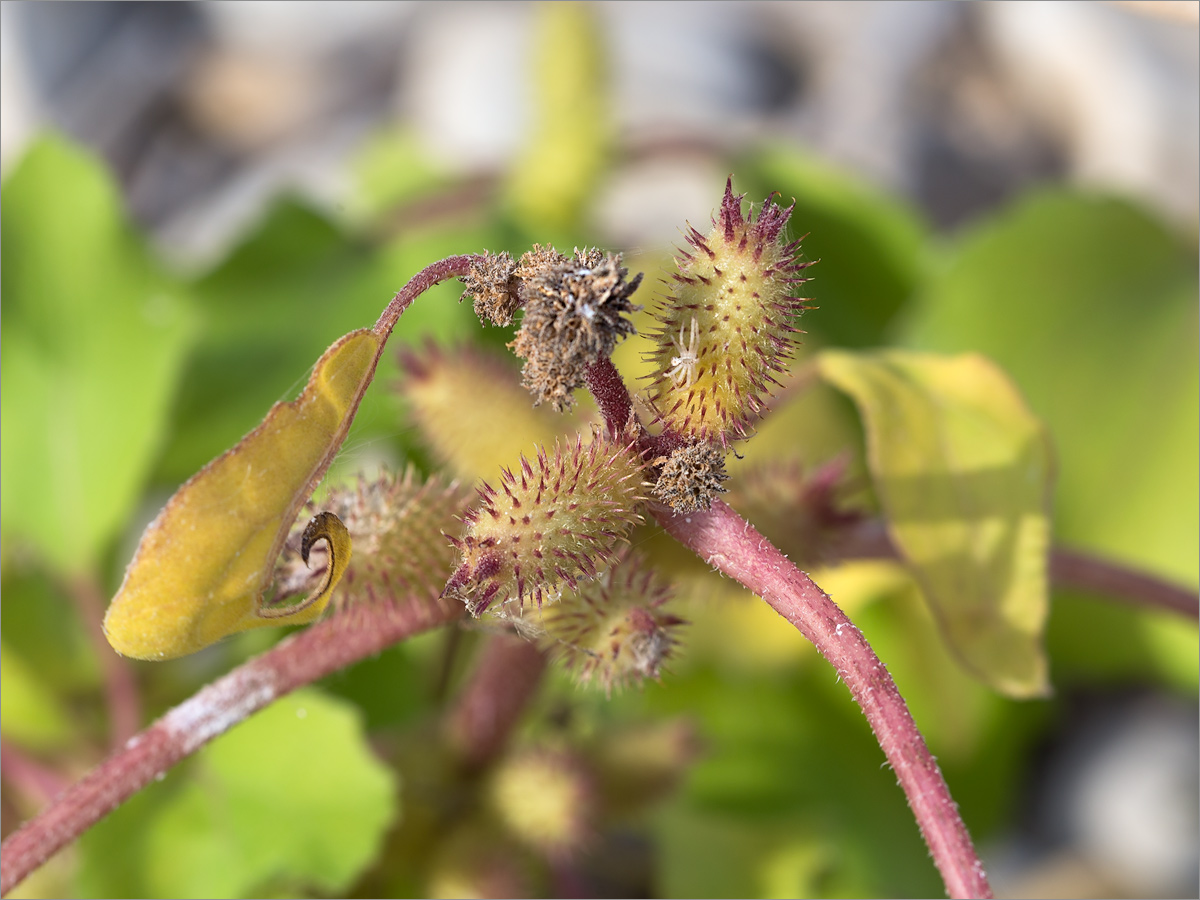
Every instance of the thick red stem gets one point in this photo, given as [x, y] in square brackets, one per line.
[299, 660]
[505, 679]
[727, 541]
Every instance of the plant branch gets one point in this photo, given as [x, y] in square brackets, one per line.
[1082, 571]
[450, 267]
[1073, 569]
[120, 687]
[301, 659]
[725, 540]
[505, 679]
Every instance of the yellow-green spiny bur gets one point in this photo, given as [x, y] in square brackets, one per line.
[470, 410]
[615, 629]
[204, 564]
[727, 326]
[556, 520]
[395, 522]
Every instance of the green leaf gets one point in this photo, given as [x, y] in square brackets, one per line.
[30, 713]
[292, 795]
[93, 339]
[962, 470]
[1091, 305]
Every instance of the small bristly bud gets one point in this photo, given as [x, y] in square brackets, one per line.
[727, 328]
[395, 524]
[554, 521]
[493, 284]
[574, 312]
[545, 798]
[616, 629]
[691, 477]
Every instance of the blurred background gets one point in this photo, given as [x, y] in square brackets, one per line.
[287, 159]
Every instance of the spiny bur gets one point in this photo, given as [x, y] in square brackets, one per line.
[615, 629]
[554, 521]
[395, 523]
[728, 326]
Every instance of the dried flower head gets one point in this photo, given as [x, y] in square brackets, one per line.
[615, 629]
[574, 313]
[493, 284]
[691, 477]
[555, 521]
[728, 326]
[395, 523]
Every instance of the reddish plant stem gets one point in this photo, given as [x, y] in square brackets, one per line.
[608, 388]
[450, 267]
[1072, 569]
[725, 540]
[299, 660]
[33, 779]
[120, 687]
[505, 679]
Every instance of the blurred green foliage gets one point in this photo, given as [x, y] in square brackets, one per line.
[120, 380]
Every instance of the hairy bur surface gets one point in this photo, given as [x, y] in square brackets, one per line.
[394, 522]
[617, 628]
[554, 521]
[728, 326]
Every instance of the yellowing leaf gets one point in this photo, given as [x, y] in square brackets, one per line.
[203, 566]
[962, 469]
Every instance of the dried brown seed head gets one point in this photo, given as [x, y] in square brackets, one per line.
[574, 312]
[691, 477]
[494, 285]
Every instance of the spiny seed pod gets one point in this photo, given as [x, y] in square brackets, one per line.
[554, 521]
[574, 312]
[728, 325]
[616, 629]
[394, 523]
[470, 410]
[546, 800]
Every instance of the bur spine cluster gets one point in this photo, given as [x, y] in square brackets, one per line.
[553, 522]
[728, 326]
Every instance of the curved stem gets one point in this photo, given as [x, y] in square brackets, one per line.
[299, 660]
[450, 267]
[725, 540]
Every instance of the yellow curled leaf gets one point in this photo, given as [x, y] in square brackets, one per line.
[963, 471]
[203, 566]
